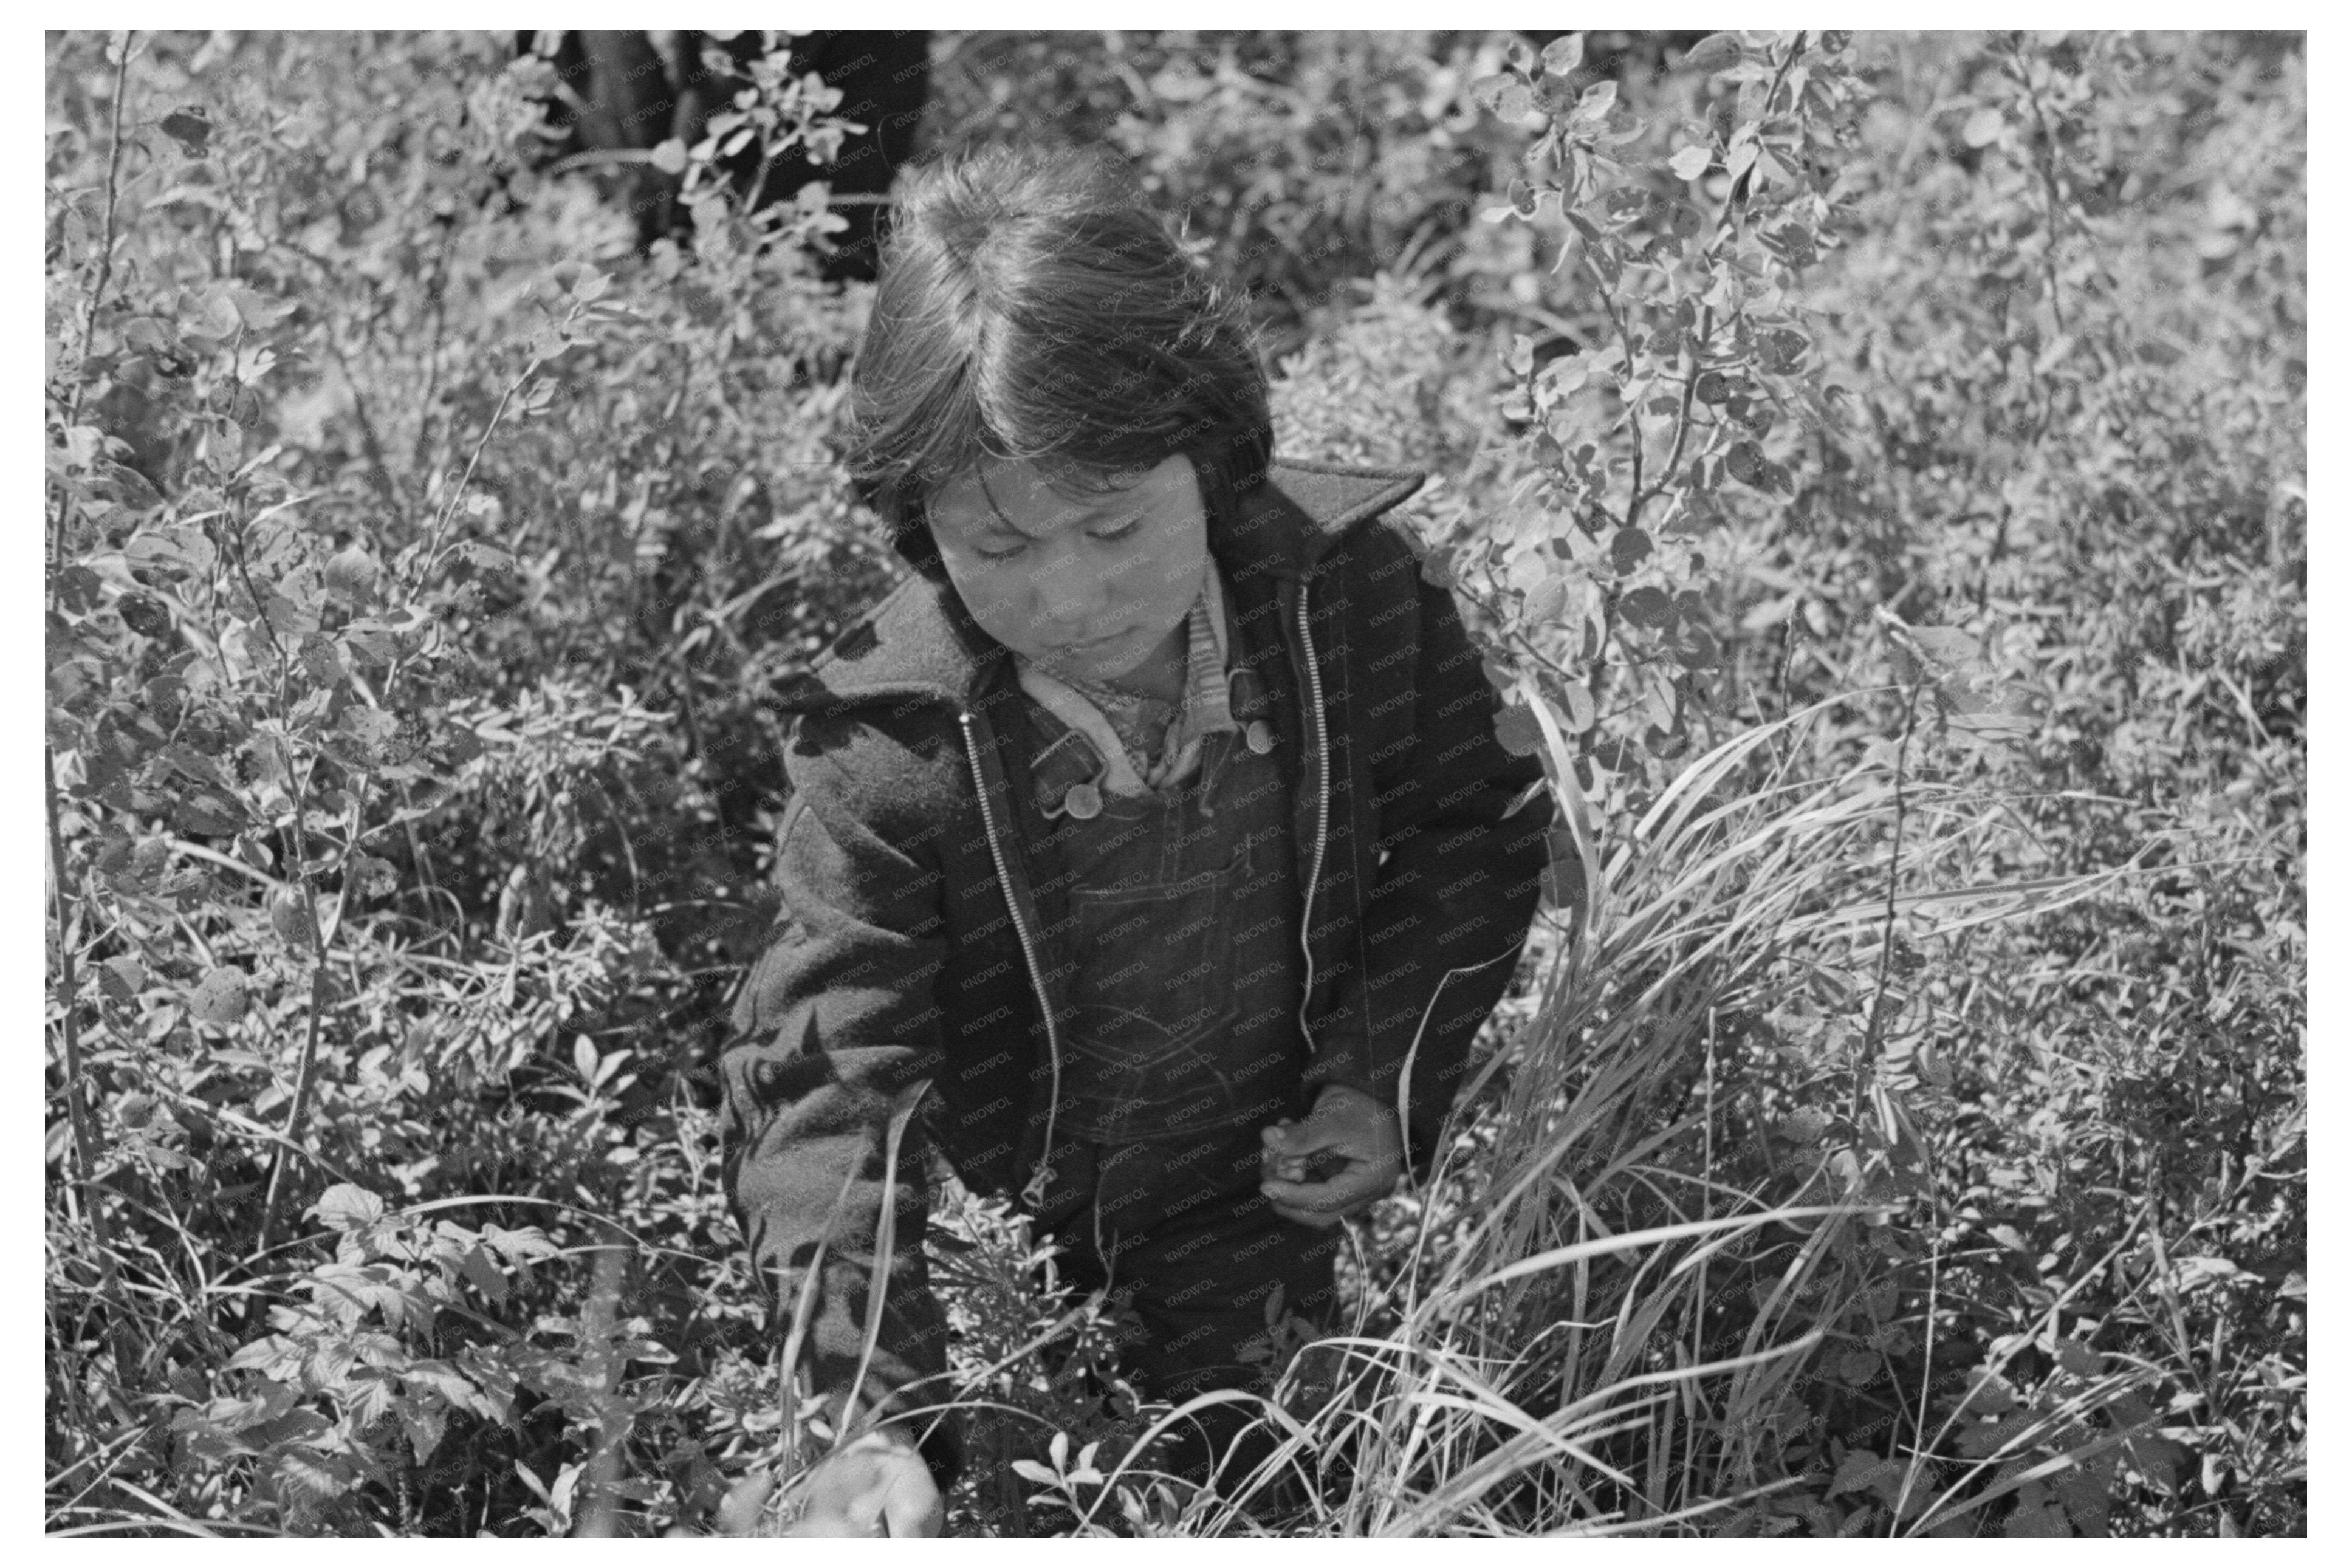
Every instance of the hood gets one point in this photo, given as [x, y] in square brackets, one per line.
[920, 640]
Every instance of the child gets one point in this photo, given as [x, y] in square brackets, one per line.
[1157, 825]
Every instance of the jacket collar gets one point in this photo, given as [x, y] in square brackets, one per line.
[920, 642]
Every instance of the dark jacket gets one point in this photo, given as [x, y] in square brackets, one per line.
[916, 940]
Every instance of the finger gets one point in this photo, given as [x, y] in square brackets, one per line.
[1333, 1196]
[833, 1526]
[1313, 1134]
[1308, 1218]
[915, 1508]
[740, 1510]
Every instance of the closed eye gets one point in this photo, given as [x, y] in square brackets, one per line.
[1112, 537]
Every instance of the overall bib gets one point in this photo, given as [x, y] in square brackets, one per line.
[1182, 1040]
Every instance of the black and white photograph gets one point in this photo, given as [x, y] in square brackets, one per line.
[1147, 784]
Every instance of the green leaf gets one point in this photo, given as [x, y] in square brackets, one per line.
[1805, 1126]
[319, 656]
[154, 552]
[1793, 244]
[287, 618]
[368, 737]
[1647, 607]
[669, 156]
[1628, 550]
[487, 556]
[1546, 602]
[1516, 729]
[1696, 647]
[1781, 349]
[1691, 161]
[1989, 1393]
[1578, 702]
[2155, 1456]
[368, 1399]
[289, 917]
[261, 1355]
[1487, 92]
[144, 614]
[352, 575]
[1563, 53]
[80, 589]
[220, 999]
[345, 1206]
[519, 1245]
[1716, 52]
[485, 1276]
[218, 317]
[122, 978]
[370, 877]
[424, 1426]
[1860, 1472]
[1951, 645]
[188, 125]
[1745, 463]
[1983, 126]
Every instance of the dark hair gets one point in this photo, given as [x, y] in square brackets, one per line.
[1033, 307]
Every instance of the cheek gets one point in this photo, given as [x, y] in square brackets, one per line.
[992, 600]
[1172, 575]
[1004, 609]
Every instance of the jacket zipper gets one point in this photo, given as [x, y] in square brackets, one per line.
[1322, 814]
[1033, 1194]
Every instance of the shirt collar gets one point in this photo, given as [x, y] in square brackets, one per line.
[1207, 702]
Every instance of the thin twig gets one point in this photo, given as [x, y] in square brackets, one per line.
[87, 1147]
[1876, 1030]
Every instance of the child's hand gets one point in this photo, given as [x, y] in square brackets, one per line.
[875, 1485]
[1357, 1134]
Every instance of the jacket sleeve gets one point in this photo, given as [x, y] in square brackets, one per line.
[834, 1021]
[1458, 873]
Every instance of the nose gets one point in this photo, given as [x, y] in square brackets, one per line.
[1068, 598]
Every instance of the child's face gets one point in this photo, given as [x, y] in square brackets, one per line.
[1085, 584]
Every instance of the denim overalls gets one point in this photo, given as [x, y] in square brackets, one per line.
[1181, 1042]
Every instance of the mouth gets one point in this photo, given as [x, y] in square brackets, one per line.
[1090, 646]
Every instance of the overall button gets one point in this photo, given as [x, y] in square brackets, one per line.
[1260, 736]
[1083, 802]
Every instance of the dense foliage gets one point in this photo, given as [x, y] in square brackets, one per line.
[1872, 466]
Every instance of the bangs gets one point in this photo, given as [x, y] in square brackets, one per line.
[1032, 310]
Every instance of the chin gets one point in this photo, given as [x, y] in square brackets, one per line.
[1098, 661]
